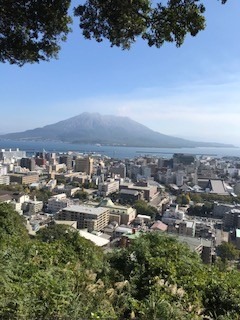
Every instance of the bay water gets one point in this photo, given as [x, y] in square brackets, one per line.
[119, 152]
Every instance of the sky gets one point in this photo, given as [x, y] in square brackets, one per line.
[191, 92]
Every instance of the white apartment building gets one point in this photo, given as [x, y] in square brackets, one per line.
[8, 154]
[3, 170]
[58, 202]
[91, 218]
[108, 187]
[179, 178]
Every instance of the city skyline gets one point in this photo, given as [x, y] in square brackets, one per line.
[190, 92]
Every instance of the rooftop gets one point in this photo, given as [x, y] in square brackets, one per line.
[129, 191]
[85, 209]
[98, 241]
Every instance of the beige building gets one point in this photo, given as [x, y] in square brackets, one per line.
[24, 178]
[127, 214]
[87, 217]
[5, 180]
[149, 191]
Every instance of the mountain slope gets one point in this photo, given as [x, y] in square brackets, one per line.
[105, 129]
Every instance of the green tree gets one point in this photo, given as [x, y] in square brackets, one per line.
[90, 255]
[221, 295]
[31, 31]
[143, 208]
[11, 223]
[81, 194]
[227, 251]
[183, 199]
[41, 195]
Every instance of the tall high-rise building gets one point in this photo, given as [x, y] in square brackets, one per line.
[84, 165]
[28, 163]
[67, 160]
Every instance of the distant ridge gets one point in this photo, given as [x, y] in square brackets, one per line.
[93, 128]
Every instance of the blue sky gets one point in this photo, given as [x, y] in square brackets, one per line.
[191, 92]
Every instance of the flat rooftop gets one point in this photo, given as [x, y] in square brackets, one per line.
[129, 191]
[85, 209]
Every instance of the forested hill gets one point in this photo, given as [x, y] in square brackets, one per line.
[59, 275]
[105, 129]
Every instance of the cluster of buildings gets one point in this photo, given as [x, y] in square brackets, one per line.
[143, 178]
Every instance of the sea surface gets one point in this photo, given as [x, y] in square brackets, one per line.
[119, 152]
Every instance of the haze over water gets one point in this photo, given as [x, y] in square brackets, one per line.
[119, 152]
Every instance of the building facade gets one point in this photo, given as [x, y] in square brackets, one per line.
[84, 165]
[91, 218]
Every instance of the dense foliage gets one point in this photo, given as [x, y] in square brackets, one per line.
[203, 203]
[227, 251]
[59, 275]
[144, 208]
[31, 31]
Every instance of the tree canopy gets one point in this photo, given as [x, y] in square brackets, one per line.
[32, 31]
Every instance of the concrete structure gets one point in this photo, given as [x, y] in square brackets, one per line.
[84, 165]
[24, 178]
[108, 187]
[179, 178]
[28, 163]
[3, 170]
[170, 217]
[231, 219]
[146, 172]
[51, 184]
[219, 209]
[67, 160]
[58, 202]
[186, 228]
[119, 170]
[182, 159]
[127, 214]
[207, 254]
[98, 241]
[59, 167]
[5, 180]
[87, 217]
[204, 230]
[8, 154]
[34, 206]
[17, 200]
[129, 196]
[148, 191]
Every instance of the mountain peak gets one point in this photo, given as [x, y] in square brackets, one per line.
[105, 129]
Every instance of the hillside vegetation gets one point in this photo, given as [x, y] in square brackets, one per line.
[59, 275]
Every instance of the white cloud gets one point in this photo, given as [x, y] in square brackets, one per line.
[202, 111]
